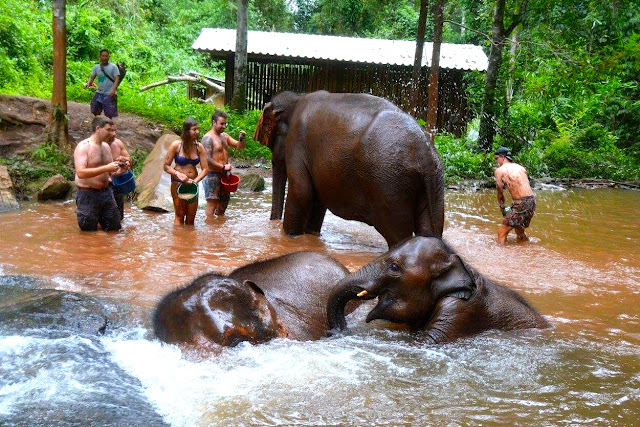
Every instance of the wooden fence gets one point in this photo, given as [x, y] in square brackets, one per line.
[267, 77]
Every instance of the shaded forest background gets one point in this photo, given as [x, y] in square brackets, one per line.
[568, 95]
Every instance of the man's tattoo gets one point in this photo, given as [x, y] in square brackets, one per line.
[207, 142]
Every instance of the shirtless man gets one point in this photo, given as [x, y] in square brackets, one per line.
[120, 154]
[94, 166]
[514, 178]
[217, 142]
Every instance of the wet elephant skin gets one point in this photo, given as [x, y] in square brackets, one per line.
[357, 155]
[424, 284]
[284, 296]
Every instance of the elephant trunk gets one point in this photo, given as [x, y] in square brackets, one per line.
[336, 306]
[279, 174]
[351, 287]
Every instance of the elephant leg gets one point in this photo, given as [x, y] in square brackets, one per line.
[394, 226]
[316, 217]
[298, 205]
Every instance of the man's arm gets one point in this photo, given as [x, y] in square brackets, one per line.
[80, 159]
[91, 77]
[124, 154]
[238, 145]
[500, 189]
[116, 80]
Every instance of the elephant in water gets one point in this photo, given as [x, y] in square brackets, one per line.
[357, 155]
[423, 284]
[279, 297]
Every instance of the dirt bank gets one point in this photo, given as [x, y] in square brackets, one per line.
[23, 122]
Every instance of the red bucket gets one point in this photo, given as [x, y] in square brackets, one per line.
[230, 183]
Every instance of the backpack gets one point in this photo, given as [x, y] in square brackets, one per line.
[122, 69]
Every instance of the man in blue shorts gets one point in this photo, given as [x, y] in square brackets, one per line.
[105, 98]
[217, 143]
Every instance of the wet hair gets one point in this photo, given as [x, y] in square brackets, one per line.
[100, 121]
[186, 127]
[217, 114]
[105, 50]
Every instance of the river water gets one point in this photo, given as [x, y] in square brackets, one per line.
[581, 269]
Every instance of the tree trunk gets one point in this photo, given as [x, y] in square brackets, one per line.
[417, 63]
[59, 123]
[488, 127]
[239, 98]
[432, 111]
[512, 66]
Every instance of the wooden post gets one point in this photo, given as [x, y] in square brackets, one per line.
[228, 78]
[432, 111]
[417, 62]
[58, 122]
[239, 99]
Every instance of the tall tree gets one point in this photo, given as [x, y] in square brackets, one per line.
[432, 111]
[239, 99]
[58, 123]
[417, 62]
[500, 33]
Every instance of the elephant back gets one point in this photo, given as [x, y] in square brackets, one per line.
[298, 285]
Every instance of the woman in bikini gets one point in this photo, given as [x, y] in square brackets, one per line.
[187, 153]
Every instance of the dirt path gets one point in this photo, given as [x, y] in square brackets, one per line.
[23, 121]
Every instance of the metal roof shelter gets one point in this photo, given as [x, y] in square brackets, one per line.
[305, 62]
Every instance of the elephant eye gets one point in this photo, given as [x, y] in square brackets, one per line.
[394, 267]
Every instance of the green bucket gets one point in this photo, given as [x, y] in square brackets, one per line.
[188, 192]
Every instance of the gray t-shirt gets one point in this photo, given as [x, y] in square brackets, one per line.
[104, 84]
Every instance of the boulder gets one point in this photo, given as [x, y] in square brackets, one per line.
[252, 182]
[153, 186]
[56, 188]
[8, 200]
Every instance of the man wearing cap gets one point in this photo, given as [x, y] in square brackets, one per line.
[514, 178]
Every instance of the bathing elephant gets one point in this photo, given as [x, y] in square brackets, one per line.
[279, 297]
[423, 284]
[357, 155]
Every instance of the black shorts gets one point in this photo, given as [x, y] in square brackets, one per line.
[95, 207]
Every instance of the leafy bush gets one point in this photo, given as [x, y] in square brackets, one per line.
[462, 159]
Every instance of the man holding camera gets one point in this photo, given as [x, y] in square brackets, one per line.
[94, 165]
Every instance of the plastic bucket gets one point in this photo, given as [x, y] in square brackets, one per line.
[230, 183]
[124, 183]
[188, 192]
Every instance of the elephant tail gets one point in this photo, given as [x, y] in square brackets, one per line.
[430, 215]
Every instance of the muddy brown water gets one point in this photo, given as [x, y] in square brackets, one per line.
[581, 269]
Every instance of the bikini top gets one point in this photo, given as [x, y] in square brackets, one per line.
[183, 161]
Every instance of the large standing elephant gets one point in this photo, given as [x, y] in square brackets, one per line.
[357, 155]
[423, 284]
[280, 297]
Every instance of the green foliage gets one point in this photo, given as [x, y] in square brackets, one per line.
[42, 163]
[462, 159]
[137, 160]
[49, 154]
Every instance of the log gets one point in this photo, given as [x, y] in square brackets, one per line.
[185, 78]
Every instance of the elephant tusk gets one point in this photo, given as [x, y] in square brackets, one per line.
[362, 293]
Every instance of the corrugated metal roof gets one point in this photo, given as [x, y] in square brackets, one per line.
[349, 49]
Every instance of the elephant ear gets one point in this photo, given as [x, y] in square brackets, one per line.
[453, 279]
[267, 124]
[253, 287]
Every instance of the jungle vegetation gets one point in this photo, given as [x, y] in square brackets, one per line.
[567, 97]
